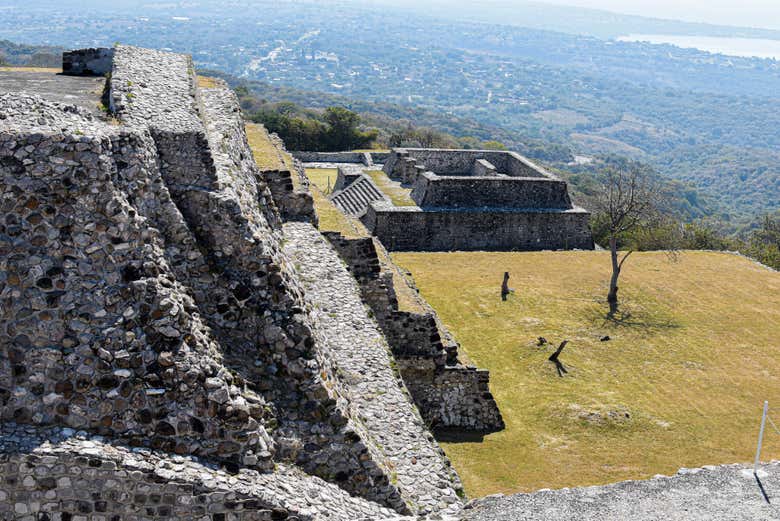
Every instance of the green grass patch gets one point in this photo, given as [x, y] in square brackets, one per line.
[680, 383]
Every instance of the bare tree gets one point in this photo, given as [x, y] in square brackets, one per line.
[630, 198]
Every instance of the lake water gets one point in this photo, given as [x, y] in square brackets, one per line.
[751, 47]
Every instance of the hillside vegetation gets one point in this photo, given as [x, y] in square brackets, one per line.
[680, 382]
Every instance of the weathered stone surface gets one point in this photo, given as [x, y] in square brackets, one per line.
[466, 200]
[411, 228]
[82, 91]
[364, 368]
[448, 394]
[715, 492]
[146, 297]
[89, 300]
[63, 474]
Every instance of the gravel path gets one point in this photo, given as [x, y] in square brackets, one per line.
[363, 362]
[728, 492]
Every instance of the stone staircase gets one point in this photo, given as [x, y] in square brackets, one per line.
[355, 198]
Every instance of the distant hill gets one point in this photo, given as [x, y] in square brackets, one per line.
[707, 119]
[571, 19]
[388, 118]
[30, 55]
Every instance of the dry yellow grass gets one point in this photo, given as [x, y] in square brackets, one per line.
[331, 218]
[323, 178]
[691, 361]
[266, 154]
[31, 69]
[207, 82]
[398, 195]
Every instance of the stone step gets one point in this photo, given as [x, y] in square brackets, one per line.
[355, 199]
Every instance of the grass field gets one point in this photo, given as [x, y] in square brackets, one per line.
[331, 218]
[680, 383]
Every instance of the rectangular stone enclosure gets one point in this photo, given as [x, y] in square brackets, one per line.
[471, 200]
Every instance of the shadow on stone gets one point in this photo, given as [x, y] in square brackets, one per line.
[761, 488]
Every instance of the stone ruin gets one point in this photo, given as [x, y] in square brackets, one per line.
[178, 340]
[463, 200]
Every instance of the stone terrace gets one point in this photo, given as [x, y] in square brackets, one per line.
[49, 470]
[363, 360]
[84, 92]
[462, 200]
[170, 347]
[146, 298]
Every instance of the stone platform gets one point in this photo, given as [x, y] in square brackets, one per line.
[83, 91]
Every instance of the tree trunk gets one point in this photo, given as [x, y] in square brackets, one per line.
[612, 296]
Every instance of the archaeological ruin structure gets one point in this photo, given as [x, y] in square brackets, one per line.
[179, 340]
[461, 200]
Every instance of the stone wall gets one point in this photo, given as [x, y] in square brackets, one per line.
[433, 191]
[483, 168]
[364, 158]
[250, 297]
[88, 62]
[446, 162]
[294, 204]
[454, 397]
[365, 368]
[344, 178]
[97, 332]
[412, 229]
[331, 157]
[448, 394]
[60, 474]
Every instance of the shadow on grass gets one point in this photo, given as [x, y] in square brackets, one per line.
[627, 318]
[450, 435]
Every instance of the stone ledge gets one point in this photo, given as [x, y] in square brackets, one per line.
[714, 492]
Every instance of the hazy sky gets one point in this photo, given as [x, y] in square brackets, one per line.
[750, 13]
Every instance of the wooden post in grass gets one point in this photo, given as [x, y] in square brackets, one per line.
[760, 438]
[554, 359]
[505, 290]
